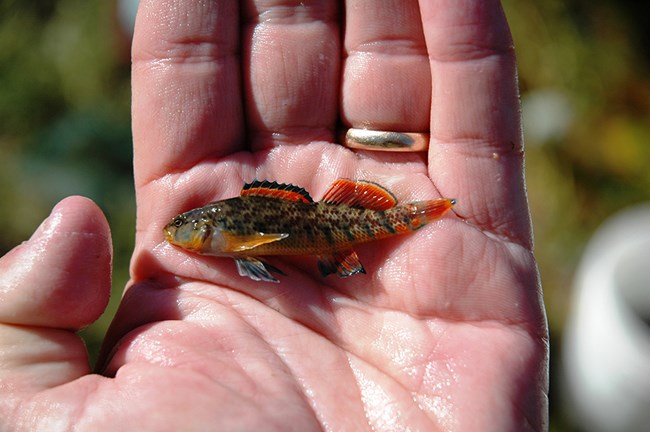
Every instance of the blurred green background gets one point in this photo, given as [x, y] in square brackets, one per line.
[65, 127]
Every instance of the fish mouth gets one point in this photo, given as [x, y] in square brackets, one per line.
[169, 232]
[193, 240]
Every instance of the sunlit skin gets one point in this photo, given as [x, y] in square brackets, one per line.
[446, 332]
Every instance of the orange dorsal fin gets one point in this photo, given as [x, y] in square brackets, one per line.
[361, 194]
[283, 191]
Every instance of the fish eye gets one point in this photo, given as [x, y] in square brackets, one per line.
[178, 222]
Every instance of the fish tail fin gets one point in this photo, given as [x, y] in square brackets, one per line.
[422, 212]
[434, 209]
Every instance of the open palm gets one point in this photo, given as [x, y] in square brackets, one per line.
[445, 332]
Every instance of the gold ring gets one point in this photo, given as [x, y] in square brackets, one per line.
[366, 139]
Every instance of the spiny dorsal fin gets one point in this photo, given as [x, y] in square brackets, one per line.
[361, 194]
[274, 189]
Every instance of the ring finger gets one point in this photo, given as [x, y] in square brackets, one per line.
[386, 75]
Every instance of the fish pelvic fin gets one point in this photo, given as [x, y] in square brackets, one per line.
[257, 269]
[344, 263]
[241, 243]
[284, 191]
[360, 194]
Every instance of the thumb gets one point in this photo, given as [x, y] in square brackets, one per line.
[51, 286]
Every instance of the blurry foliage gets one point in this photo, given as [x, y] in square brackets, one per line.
[594, 56]
[65, 127]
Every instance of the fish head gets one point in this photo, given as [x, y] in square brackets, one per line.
[191, 231]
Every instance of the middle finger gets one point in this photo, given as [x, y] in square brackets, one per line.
[291, 57]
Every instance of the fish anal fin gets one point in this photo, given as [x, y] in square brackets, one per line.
[241, 243]
[344, 263]
[256, 269]
[284, 191]
[361, 194]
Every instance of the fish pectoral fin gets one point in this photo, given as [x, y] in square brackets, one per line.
[241, 243]
[256, 269]
[344, 263]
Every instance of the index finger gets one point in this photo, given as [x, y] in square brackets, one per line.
[186, 85]
[476, 149]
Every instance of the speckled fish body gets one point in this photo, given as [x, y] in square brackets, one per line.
[269, 218]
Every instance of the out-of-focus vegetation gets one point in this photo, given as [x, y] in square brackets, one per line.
[589, 62]
[64, 126]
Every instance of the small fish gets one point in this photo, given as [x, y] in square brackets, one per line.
[270, 218]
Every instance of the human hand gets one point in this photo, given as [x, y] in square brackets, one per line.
[445, 332]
